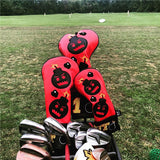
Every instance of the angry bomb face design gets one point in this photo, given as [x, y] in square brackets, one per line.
[60, 78]
[58, 108]
[100, 109]
[92, 86]
[77, 45]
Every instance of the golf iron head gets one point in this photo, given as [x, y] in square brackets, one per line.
[55, 128]
[74, 127]
[80, 139]
[28, 126]
[97, 137]
[32, 152]
[36, 140]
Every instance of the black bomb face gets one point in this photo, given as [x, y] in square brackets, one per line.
[100, 109]
[91, 87]
[77, 45]
[60, 78]
[58, 108]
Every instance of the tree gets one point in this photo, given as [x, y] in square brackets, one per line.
[21, 7]
[6, 7]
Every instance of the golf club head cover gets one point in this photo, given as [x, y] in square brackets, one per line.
[90, 84]
[79, 47]
[58, 74]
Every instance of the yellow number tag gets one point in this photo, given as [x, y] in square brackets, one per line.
[76, 103]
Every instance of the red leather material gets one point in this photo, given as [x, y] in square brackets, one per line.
[90, 84]
[58, 74]
[79, 47]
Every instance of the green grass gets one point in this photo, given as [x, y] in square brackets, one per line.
[113, 19]
[128, 57]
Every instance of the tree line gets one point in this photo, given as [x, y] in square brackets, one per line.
[27, 7]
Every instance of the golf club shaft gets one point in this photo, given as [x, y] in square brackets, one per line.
[67, 153]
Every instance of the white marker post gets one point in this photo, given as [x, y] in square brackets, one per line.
[128, 12]
[70, 15]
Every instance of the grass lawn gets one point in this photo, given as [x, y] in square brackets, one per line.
[90, 19]
[128, 57]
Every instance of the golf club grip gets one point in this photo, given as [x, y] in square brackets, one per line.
[67, 154]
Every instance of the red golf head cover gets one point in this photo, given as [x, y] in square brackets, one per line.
[79, 47]
[58, 74]
[90, 83]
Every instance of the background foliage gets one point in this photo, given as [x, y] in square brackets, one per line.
[25, 7]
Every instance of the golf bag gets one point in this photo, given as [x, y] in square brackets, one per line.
[76, 91]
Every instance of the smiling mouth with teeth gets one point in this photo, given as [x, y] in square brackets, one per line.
[100, 113]
[56, 113]
[95, 89]
[62, 83]
[79, 47]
